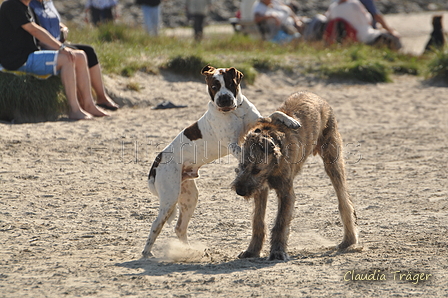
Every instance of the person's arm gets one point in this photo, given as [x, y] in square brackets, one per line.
[42, 35]
[46, 38]
[380, 19]
[86, 10]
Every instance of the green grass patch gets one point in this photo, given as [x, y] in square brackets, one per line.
[124, 50]
[438, 66]
[359, 71]
[28, 99]
[186, 65]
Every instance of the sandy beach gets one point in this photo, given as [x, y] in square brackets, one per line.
[75, 209]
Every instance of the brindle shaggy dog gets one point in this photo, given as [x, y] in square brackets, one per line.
[274, 154]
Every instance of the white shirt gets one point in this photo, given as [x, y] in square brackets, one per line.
[276, 9]
[356, 15]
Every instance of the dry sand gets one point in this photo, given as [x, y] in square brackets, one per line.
[75, 209]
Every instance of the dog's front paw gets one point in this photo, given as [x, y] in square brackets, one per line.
[278, 255]
[285, 119]
[293, 123]
[248, 254]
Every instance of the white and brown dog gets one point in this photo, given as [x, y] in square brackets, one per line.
[216, 134]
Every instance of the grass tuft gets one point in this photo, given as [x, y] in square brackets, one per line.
[359, 71]
[187, 65]
[438, 66]
[28, 99]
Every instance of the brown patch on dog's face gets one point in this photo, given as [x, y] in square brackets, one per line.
[223, 85]
[193, 132]
[261, 154]
[213, 84]
[232, 79]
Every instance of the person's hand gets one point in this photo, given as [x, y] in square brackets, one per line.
[277, 20]
[64, 34]
[86, 15]
[395, 33]
[69, 52]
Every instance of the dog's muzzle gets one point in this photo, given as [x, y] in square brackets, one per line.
[226, 103]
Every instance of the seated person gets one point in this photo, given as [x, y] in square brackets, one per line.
[279, 18]
[357, 16]
[48, 17]
[19, 51]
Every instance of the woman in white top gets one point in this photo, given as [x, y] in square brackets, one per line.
[360, 19]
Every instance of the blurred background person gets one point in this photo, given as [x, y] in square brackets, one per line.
[198, 10]
[353, 12]
[151, 15]
[277, 21]
[101, 11]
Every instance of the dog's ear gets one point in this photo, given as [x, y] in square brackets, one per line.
[208, 70]
[236, 74]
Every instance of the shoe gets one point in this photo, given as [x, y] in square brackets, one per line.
[167, 105]
[104, 106]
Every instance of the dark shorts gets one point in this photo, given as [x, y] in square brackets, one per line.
[92, 57]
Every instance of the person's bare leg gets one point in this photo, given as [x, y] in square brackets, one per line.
[96, 79]
[68, 79]
[83, 85]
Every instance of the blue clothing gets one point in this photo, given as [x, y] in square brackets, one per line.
[151, 16]
[371, 8]
[48, 17]
[41, 63]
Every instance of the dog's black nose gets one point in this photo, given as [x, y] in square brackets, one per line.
[224, 101]
[240, 191]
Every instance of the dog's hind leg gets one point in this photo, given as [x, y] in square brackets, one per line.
[258, 225]
[168, 200]
[331, 153]
[188, 200]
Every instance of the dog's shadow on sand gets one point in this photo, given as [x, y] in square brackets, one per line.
[160, 267]
[157, 267]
